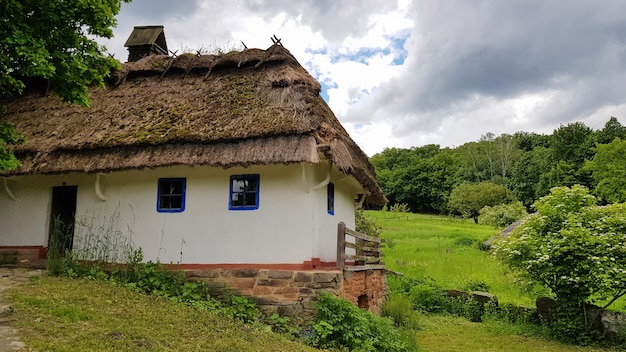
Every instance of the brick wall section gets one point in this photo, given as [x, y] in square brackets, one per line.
[293, 293]
[366, 289]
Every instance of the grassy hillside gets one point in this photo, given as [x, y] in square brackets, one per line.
[446, 249]
[58, 314]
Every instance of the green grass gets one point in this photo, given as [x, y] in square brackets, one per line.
[453, 334]
[59, 314]
[446, 249]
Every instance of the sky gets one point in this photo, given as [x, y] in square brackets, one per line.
[408, 73]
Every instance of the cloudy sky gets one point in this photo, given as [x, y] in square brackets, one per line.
[410, 73]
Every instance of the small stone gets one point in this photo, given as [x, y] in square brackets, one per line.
[325, 277]
[280, 274]
[303, 277]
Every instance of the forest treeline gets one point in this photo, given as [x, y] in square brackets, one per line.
[526, 163]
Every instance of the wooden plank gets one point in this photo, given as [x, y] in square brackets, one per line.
[365, 267]
[364, 248]
[362, 236]
[362, 258]
[341, 245]
[359, 253]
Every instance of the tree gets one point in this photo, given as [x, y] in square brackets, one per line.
[612, 129]
[526, 174]
[489, 159]
[469, 198]
[420, 177]
[475, 164]
[572, 143]
[574, 248]
[47, 42]
[608, 169]
[570, 147]
[528, 141]
[508, 153]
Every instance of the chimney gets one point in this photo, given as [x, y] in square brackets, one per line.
[144, 41]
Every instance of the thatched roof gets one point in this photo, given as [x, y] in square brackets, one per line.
[241, 108]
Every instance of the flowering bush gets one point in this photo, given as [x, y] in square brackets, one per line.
[502, 215]
[573, 247]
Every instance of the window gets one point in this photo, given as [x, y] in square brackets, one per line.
[330, 198]
[244, 192]
[171, 197]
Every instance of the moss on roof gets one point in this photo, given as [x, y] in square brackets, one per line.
[163, 111]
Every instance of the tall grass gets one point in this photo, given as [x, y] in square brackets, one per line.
[433, 252]
[447, 250]
[102, 237]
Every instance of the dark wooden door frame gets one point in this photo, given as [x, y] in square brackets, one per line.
[62, 218]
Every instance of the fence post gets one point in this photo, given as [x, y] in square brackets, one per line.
[341, 245]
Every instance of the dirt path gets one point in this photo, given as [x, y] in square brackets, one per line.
[10, 277]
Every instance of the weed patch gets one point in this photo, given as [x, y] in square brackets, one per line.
[342, 325]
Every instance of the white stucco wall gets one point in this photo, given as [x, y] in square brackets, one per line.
[291, 224]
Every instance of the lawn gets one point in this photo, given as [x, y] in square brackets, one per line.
[446, 249]
[440, 333]
[59, 314]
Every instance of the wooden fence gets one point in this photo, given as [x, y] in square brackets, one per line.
[367, 250]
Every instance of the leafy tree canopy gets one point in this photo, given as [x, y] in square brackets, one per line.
[8, 135]
[469, 198]
[612, 129]
[49, 42]
[608, 168]
[571, 246]
[572, 143]
[420, 177]
[50, 39]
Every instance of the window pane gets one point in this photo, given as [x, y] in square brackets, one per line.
[238, 185]
[176, 202]
[244, 192]
[176, 188]
[250, 199]
[330, 198]
[171, 196]
[238, 200]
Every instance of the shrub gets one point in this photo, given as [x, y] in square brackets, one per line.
[398, 208]
[364, 224]
[400, 309]
[467, 199]
[502, 215]
[574, 248]
[243, 309]
[429, 298]
[340, 324]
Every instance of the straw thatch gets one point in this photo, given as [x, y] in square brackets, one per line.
[242, 108]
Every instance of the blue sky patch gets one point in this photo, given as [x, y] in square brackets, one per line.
[363, 55]
[326, 85]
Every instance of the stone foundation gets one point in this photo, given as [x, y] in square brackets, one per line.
[293, 292]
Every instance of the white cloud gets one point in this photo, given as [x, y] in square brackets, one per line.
[408, 73]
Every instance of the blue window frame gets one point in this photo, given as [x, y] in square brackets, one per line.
[171, 195]
[330, 198]
[244, 192]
